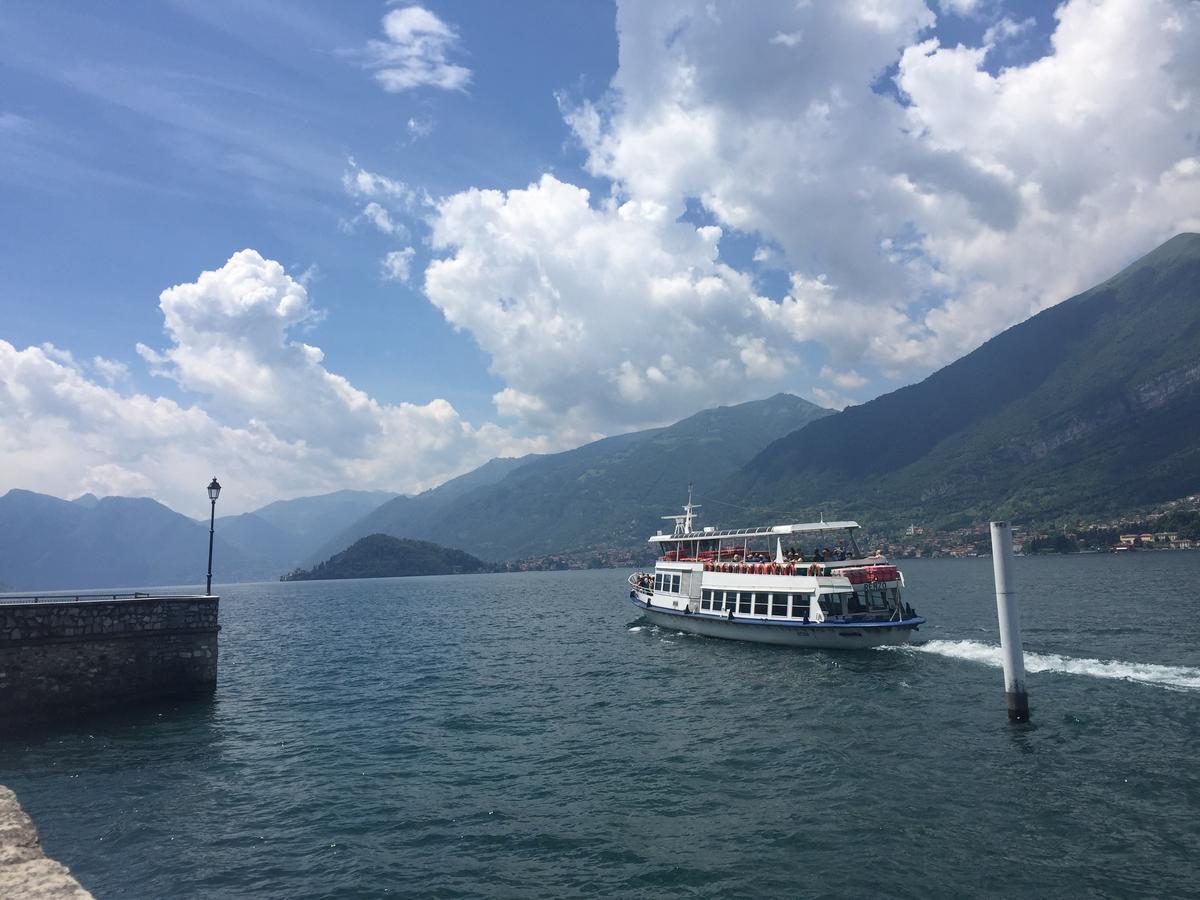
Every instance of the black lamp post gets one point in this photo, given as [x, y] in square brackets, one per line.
[214, 491]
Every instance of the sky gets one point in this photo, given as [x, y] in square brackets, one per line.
[312, 246]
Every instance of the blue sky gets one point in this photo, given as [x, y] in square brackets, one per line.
[830, 199]
[164, 138]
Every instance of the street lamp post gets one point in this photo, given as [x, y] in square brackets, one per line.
[214, 491]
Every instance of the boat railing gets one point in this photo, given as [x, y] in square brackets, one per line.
[870, 572]
[638, 584]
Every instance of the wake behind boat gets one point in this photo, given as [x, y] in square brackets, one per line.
[751, 584]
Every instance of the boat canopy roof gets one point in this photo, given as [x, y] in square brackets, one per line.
[769, 531]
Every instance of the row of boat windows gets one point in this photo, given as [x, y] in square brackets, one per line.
[797, 605]
[667, 583]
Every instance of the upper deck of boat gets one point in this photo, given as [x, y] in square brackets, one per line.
[747, 534]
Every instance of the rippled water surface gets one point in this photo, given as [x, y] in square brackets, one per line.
[531, 736]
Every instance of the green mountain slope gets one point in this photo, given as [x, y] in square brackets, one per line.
[382, 556]
[607, 493]
[1090, 406]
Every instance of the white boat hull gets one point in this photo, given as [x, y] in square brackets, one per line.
[824, 636]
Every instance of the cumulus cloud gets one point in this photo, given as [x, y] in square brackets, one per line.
[915, 222]
[939, 218]
[267, 414]
[415, 52]
[599, 317]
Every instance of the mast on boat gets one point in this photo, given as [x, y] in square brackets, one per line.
[683, 524]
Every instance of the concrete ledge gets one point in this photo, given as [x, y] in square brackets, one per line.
[26, 873]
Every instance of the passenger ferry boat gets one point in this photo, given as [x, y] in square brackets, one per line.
[765, 585]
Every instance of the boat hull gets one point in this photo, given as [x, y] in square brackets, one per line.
[823, 636]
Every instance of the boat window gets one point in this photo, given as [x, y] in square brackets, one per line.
[658, 582]
[674, 584]
[729, 598]
[779, 604]
[744, 602]
[800, 605]
[706, 603]
[760, 604]
[831, 604]
[878, 599]
[854, 604]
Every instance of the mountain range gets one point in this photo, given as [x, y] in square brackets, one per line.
[1089, 407]
[52, 544]
[47, 544]
[609, 493]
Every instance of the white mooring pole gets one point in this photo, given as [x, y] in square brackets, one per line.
[1009, 615]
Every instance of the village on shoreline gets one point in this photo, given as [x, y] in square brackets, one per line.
[1174, 525]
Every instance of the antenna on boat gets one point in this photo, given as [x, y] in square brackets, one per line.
[683, 524]
[688, 510]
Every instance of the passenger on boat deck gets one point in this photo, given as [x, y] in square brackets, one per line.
[825, 554]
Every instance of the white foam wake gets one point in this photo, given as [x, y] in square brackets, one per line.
[1182, 678]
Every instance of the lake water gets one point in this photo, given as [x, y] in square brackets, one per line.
[530, 736]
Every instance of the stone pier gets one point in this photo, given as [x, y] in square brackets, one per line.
[26, 873]
[63, 654]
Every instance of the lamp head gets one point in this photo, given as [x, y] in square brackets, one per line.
[214, 489]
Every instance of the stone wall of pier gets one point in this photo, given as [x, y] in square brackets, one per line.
[61, 656]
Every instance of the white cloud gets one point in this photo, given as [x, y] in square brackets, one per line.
[1006, 29]
[961, 7]
[415, 52]
[600, 318]
[848, 380]
[937, 223]
[112, 480]
[788, 39]
[397, 264]
[380, 218]
[360, 182]
[913, 228]
[268, 416]
[111, 370]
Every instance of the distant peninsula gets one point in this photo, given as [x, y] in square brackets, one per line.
[383, 556]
